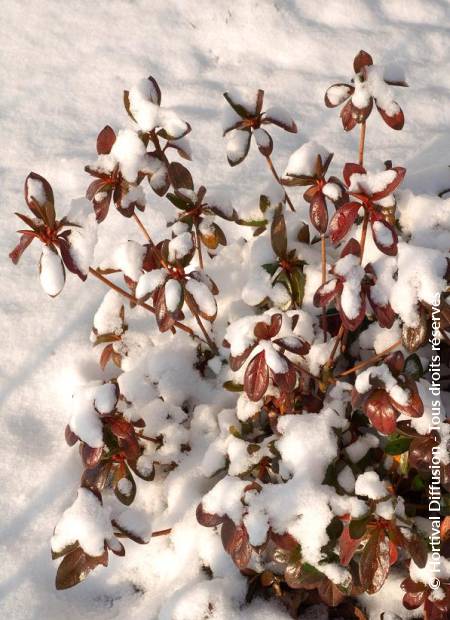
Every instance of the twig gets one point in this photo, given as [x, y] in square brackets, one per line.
[199, 245]
[323, 242]
[161, 532]
[275, 174]
[211, 343]
[374, 358]
[362, 139]
[151, 242]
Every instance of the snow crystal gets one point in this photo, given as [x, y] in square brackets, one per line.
[370, 485]
[303, 160]
[87, 522]
[51, 272]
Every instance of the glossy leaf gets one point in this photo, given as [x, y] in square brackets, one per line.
[256, 378]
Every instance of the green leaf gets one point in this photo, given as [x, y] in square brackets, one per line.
[298, 282]
[270, 268]
[357, 527]
[230, 386]
[397, 444]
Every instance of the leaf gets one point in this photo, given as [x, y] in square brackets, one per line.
[357, 527]
[263, 141]
[105, 140]
[396, 121]
[414, 407]
[417, 549]
[362, 59]
[415, 337]
[90, 456]
[230, 386]
[180, 176]
[240, 109]
[351, 115]
[278, 235]
[337, 94]
[238, 146]
[70, 260]
[397, 444]
[237, 361]
[413, 367]
[20, 248]
[349, 170]
[163, 318]
[277, 115]
[347, 546]
[294, 344]
[298, 283]
[206, 519]
[392, 185]
[381, 413]
[330, 593]
[236, 543]
[342, 221]
[384, 236]
[76, 566]
[285, 541]
[126, 499]
[39, 198]
[256, 378]
[327, 292]
[374, 562]
[318, 213]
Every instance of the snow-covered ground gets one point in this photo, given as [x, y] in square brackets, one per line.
[63, 68]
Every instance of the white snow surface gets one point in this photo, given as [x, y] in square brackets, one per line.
[63, 71]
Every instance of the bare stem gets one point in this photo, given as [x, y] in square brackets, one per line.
[364, 234]
[149, 239]
[324, 278]
[362, 139]
[374, 358]
[162, 532]
[199, 246]
[275, 174]
[339, 337]
[208, 339]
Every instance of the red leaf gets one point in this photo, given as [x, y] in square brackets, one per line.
[342, 221]
[393, 553]
[90, 456]
[43, 203]
[351, 247]
[362, 59]
[278, 116]
[414, 406]
[206, 519]
[76, 566]
[347, 117]
[70, 437]
[237, 361]
[286, 381]
[105, 140]
[106, 356]
[395, 122]
[374, 563]
[20, 248]
[67, 257]
[339, 97]
[294, 344]
[347, 546]
[285, 541]
[236, 543]
[380, 412]
[350, 169]
[256, 378]
[352, 323]
[390, 187]
[318, 213]
[327, 292]
[330, 593]
[163, 318]
[275, 324]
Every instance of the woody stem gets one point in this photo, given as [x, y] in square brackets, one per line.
[275, 174]
[208, 339]
[199, 245]
[324, 278]
[362, 139]
[149, 239]
[374, 358]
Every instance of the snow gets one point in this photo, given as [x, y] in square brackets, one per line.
[87, 522]
[129, 151]
[107, 318]
[203, 296]
[370, 485]
[127, 257]
[273, 359]
[60, 90]
[371, 183]
[36, 190]
[383, 234]
[180, 246]
[303, 160]
[51, 272]
[84, 420]
[149, 281]
[237, 144]
[172, 292]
